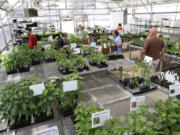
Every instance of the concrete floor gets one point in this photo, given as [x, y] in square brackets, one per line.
[101, 88]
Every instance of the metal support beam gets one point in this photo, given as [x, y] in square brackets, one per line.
[3, 35]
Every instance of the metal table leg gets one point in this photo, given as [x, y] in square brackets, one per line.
[129, 52]
[121, 73]
[161, 65]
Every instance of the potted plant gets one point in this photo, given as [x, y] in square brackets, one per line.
[50, 55]
[104, 42]
[84, 37]
[36, 54]
[87, 50]
[97, 59]
[74, 39]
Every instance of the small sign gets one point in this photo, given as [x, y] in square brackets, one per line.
[99, 118]
[77, 50]
[148, 59]
[48, 131]
[70, 86]
[98, 48]
[37, 89]
[136, 102]
[111, 38]
[105, 46]
[174, 90]
[93, 44]
[73, 45]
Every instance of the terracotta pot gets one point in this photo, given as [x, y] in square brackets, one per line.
[105, 51]
[85, 42]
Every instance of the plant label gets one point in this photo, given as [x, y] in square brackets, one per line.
[73, 45]
[70, 86]
[37, 89]
[136, 102]
[111, 38]
[105, 46]
[148, 59]
[47, 46]
[93, 44]
[99, 118]
[174, 90]
[48, 131]
[98, 48]
[50, 38]
[77, 50]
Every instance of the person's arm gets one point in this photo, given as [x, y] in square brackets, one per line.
[144, 50]
[163, 54]
[59, 44]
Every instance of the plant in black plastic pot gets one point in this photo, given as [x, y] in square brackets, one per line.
[74, 39]
[68, 100]
[87, 50]
[17, 103]
[50, 55]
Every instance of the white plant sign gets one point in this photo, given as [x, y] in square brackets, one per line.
[37, 89]
[174, 90]
[70, 86]
[98, 48]
[48, 131]
[99, 118]
[73, 45]
[77, 50]
[148, 59]
[93, 44]
[136, 102]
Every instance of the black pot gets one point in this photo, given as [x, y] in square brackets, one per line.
[36, 62]
[21, 123]
[102, 65]
[26, 69]
[126, 81]
[140, 80]
[11, 72]
[132, 84]
[92, 63]
[43, 117]
[144, 88]
[65, 72]
[48, 60]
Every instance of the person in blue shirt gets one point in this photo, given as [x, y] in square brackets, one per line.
[118, 42]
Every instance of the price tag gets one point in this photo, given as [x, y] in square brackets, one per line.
[37, 89]
[50, 38]
[111, 37]
[70, 86]
[48, 131]
[136, 102]
[99, 118]
[73, 45]
[98, 48]
[93, 44]
[148, 59]
[174, 90]
[105, 46]
[77, 50]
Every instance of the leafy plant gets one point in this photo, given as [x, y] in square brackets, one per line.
[87, 50]
[83, 118]
[50, 53]
[73, 39]
[104, 42]
[97, 57]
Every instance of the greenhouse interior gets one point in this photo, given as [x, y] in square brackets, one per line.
[89, 67]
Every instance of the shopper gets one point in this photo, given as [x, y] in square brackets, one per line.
[118, 42]
[31, 38]
[62, 42]
[154, 47]
[119, 28]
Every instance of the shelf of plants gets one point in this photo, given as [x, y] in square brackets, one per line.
[25, 108]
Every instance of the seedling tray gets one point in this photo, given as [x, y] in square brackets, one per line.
[136, 90]
[115, 57]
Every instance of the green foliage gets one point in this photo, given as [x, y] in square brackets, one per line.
[36, 53]
[83, 118]
[74, 39]
[97, 57]
[103, 41]
[138, 42]
[50, 53]
[87, 50]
